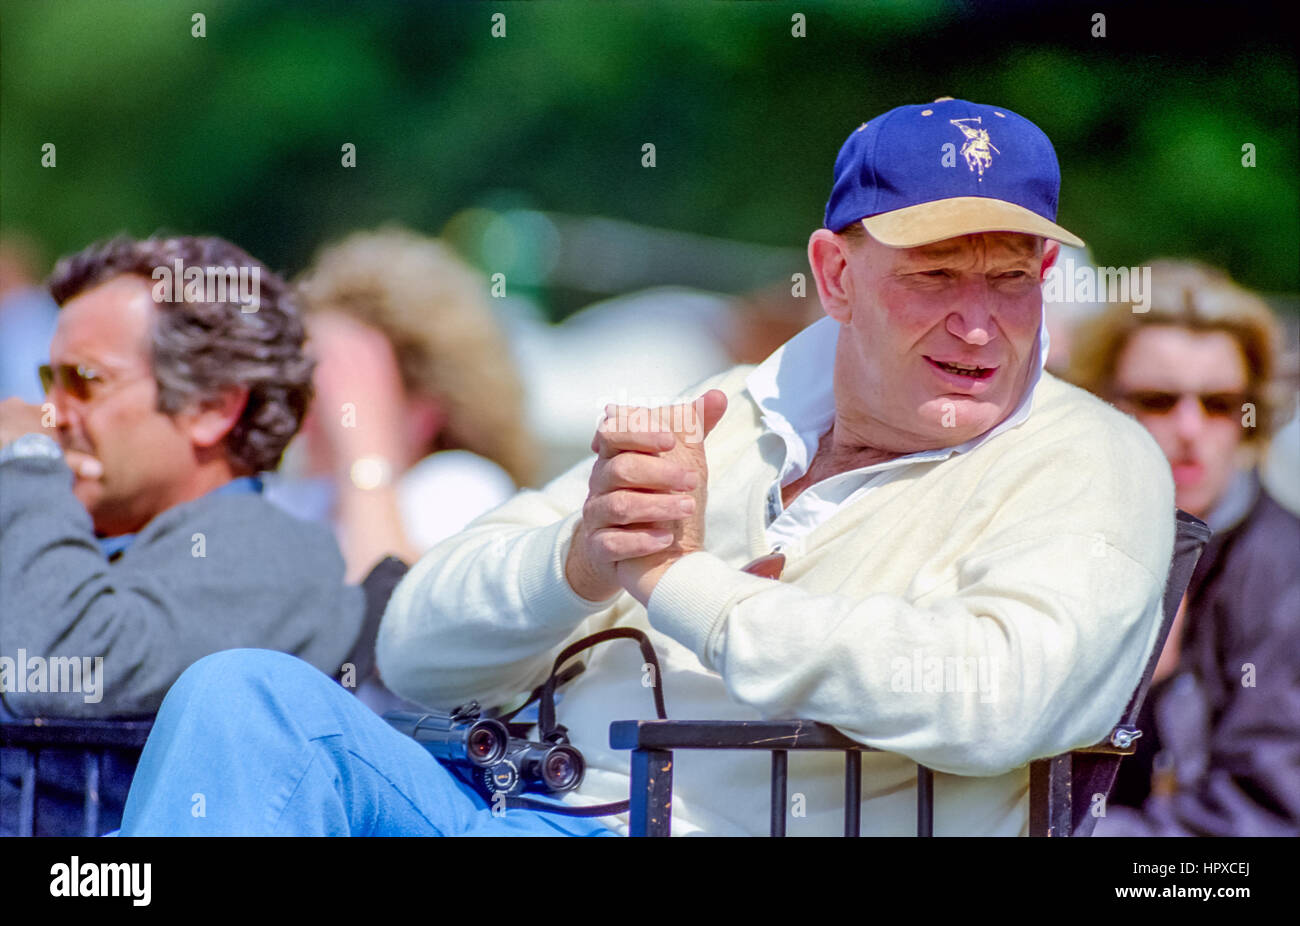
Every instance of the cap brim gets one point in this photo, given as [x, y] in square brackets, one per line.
[961, 215]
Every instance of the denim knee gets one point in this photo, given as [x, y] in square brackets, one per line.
[221, 678]
[236, 667]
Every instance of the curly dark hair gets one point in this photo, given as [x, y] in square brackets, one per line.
[200, 347]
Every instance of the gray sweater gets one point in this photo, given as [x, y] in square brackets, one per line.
[219, 572]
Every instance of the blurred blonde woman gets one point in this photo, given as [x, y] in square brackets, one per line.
[1220, 753]
[418, 424]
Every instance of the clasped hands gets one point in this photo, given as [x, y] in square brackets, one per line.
[646, 497]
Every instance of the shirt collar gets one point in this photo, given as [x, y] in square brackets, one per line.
[113, 547]
[795, 391]
[1238, 498]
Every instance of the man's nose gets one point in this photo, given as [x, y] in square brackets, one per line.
[1189, 417]
[971, 319]
[65, 409]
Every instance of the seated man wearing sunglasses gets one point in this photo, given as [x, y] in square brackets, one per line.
[1222, 722]
[133, 537]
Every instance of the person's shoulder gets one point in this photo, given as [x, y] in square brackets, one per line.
[1250, 578]
[1065, 403]
[1088, 426]
[1272, 516]
[243, 525]
[1092, 464]
[1269, 536]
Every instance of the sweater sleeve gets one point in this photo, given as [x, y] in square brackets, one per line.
[1035, 652]
[484, 612]
[54, 582]
[199, 578]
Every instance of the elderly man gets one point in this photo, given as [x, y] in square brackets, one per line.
[974, 552]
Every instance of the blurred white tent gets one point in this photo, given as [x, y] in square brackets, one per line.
[645, 347]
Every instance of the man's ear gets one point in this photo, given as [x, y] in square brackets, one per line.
[1051, 251]
[207, 423]
[828, 258]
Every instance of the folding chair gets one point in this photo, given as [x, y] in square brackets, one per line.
[1062, 789]
[96, 738]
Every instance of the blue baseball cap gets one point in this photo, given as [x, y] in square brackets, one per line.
[920, 174]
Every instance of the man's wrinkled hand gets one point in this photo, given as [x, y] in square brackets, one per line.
[646, 500]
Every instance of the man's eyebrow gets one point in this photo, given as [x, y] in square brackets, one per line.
[102, 365]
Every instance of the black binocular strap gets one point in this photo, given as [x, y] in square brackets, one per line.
[551, 732]
[546, 708]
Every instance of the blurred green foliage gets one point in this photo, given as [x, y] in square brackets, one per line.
[239, 133]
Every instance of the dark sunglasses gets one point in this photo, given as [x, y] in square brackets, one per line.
[1215, 404]
[75, 380]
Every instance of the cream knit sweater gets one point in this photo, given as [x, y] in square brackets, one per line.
[972, 614]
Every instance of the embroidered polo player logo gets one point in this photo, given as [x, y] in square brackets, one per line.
[978, 150]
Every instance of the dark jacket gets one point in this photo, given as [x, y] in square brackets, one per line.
[215, 573]
[218, 572]
[1222, 734]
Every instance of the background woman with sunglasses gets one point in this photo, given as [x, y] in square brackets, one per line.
[1221, 750]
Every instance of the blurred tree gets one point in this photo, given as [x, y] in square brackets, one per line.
[240, 132]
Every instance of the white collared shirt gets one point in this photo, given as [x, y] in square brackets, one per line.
[795, 390]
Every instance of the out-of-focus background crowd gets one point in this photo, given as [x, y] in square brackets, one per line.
[523, 153]
[496, 227]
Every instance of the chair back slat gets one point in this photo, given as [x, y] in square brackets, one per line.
[651, 804]
[924, 801]
[852, 793]
[91, 765]
[1051, 783]
[1190, 537]
[780, 768]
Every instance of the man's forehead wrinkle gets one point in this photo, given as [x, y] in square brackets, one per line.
[974, 249]
[939, 249]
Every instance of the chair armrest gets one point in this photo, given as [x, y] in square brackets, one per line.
[41, 732]
[729, 734]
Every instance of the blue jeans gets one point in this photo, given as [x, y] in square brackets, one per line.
[253, 742]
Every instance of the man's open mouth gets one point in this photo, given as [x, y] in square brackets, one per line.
[969, 370]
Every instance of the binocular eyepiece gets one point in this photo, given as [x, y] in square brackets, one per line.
[531, 766]
[460, 736]
[501, 763]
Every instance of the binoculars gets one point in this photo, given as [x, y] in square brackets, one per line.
[499, 763]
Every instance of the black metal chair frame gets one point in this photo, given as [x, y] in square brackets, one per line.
[93, 737]
[1062, 788]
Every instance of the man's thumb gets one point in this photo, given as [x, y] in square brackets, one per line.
[712, 405]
